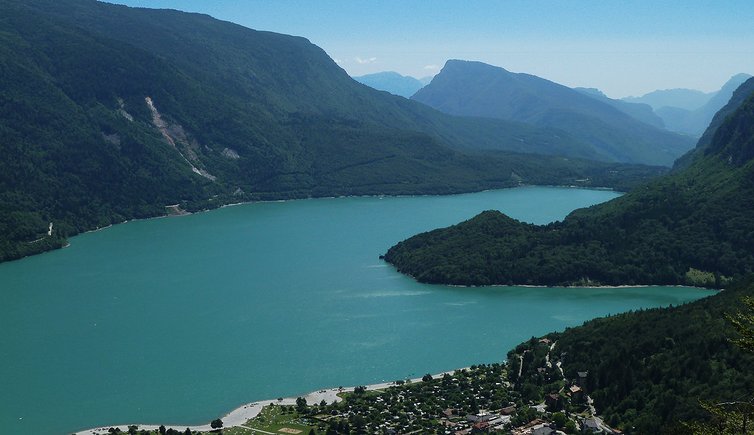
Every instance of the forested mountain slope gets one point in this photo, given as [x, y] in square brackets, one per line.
[280, 76]
[477, 89]
[649, 371]
[110, 113]
[695, 226]
[737, 98]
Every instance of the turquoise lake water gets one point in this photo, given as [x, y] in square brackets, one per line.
[179, 320]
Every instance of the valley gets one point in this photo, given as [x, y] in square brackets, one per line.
[258, 218]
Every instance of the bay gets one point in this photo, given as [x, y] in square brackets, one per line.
[179, 320]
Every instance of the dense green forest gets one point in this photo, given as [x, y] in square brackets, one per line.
[649, 371]
[694, 226]
[109, 113]
[705, 141]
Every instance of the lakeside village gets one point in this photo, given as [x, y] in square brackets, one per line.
[528, 395]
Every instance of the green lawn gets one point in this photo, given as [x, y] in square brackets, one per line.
[273, 419]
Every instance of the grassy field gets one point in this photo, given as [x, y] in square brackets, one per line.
[274, 420]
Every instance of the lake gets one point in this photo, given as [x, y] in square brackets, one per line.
[179, 320]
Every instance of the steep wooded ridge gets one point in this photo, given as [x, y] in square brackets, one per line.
[109, 113]
[477, 89]
[695, 226]
[702, 147]
[649, 370]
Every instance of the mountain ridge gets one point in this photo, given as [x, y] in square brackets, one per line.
[683, 98]
[393, 82]
[639, 111]
[692, 227]
[470, 88]
[693, 119]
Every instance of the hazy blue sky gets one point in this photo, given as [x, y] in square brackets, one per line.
[622, 47]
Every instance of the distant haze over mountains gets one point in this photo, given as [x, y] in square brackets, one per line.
[688, 99]
[689, 111]
[680, 110]
[392, 82]
[477, 89]
[639, 111]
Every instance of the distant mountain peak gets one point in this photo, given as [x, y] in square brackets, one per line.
[734, 82]
[591, 91]
[472, 88]
[391, 81]
[689, 111]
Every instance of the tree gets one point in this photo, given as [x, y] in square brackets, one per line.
[162, 430]
[216, 424]
[570, 427]
[744, 324]
[427, 378]
[559, 419]
[732, 417]
[300, 405]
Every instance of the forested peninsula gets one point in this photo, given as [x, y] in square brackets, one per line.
[694, 226]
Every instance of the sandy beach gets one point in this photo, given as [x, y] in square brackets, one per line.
[247, 411]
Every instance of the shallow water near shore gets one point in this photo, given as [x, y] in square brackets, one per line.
[180, 320]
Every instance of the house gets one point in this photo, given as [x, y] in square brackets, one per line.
[500, 422]
[581, 381]
[448, 423]
[481, 426]
[576, 393]
[591, 425]
[542, 429]
[508, 410]
[497, 420]
[552, 401]
[527, 428]
[480, 416]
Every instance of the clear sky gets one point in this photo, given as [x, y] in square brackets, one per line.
[621, 47]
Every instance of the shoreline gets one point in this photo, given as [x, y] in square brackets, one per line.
[235, 204]
[584, 287]
[245, 412]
